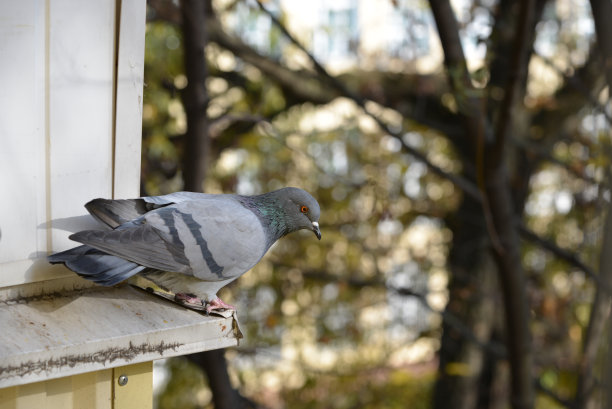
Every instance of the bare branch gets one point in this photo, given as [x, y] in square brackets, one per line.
[544, 154]
[317, 66]
[576, 83]
[563, 254]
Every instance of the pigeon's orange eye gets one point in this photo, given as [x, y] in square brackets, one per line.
[304, 209]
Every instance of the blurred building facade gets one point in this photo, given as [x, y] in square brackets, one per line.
[347, 33]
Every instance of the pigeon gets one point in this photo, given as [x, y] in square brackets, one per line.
[191, 244]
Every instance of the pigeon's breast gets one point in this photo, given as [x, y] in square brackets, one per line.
[220, 238]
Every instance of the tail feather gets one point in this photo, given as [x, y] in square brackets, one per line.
[96, 265]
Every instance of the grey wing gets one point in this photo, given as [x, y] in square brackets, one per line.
[114, 213]
[142, 244]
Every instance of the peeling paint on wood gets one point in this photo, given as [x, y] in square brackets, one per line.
[108, 355]
[22, 299]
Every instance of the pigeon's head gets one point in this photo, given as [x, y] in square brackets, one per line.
[301, 210]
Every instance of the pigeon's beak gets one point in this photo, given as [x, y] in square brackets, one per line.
[315, 229]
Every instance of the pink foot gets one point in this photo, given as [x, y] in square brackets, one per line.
[218, 304]
[191, 299]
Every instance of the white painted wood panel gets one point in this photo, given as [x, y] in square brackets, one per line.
[22, 136]
[130, 80]
[70, 97]
[81, 82]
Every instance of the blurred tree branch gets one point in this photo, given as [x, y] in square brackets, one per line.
[536, 150]
[584, 80]
[568, 256]
[214, 365]
[600, 310]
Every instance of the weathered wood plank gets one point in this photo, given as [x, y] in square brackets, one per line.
[88, 329]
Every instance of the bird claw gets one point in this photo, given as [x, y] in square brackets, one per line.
[191, 300]
[218, 304]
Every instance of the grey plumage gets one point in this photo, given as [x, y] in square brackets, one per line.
[187, 242]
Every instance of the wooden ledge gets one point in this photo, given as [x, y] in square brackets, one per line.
[66, 327]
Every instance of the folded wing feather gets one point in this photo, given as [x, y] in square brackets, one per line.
[213, 238]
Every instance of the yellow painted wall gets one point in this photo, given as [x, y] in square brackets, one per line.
[138, 392]
[93, 390]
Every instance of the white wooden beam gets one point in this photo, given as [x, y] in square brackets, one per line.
[128, 107]
[79, 329]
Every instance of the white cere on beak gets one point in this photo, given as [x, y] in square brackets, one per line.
[315, 229]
